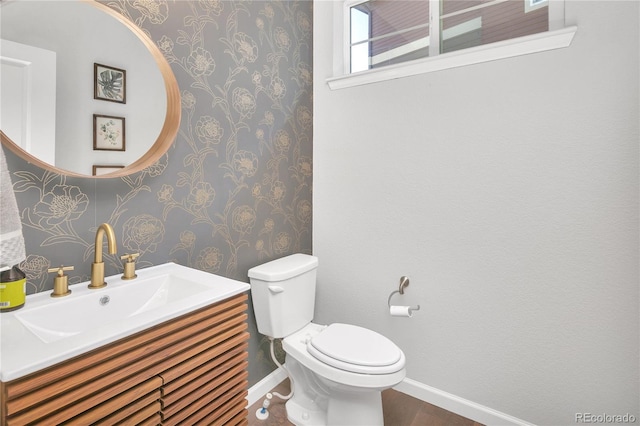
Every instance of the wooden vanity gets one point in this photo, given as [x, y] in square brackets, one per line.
[191, 370]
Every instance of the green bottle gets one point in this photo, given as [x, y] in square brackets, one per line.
[13, 289]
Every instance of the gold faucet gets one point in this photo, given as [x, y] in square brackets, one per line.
[97, 267]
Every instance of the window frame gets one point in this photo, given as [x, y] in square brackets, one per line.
[558, 36]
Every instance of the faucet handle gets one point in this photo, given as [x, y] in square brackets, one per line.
[129, 266]
[130, 257]
[60, 282]
[60, 269]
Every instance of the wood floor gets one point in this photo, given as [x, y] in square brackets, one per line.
[399, 410]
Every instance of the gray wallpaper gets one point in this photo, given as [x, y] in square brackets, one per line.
[234, 190]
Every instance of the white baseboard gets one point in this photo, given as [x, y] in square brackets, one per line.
[455, 404]
[260, 389]
[442, 399]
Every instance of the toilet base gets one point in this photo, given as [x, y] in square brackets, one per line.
[339, 412]
[359, 409]
[317, 401]
[301, 415]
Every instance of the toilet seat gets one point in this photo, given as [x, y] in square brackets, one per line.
[296, 347]
[356, 349]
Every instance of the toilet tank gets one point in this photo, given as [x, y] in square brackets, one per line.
[283, 293]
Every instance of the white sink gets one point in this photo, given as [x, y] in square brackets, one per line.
[92, 309]
[50, 330]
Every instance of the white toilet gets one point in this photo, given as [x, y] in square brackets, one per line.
[338, 371]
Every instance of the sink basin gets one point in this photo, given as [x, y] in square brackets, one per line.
[50, 330]
[88, 311]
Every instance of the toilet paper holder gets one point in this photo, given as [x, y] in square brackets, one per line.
[404, 282]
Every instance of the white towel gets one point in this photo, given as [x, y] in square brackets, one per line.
[12, 250]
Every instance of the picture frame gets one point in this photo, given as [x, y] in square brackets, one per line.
[108, 133]
[99, 170]
[109, 83]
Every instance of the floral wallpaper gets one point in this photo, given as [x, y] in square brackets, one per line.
[233, 191]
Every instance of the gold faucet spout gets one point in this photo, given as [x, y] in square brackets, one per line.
[97, 267]
[104, 229]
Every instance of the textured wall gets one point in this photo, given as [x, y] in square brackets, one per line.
[508, 192]
[235, 188]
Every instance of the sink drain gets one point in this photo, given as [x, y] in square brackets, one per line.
[104, 300]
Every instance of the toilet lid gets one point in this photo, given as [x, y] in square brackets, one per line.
[356, 349]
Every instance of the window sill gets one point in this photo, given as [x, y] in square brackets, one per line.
[505, 49]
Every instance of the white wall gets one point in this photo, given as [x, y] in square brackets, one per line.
[508, 193]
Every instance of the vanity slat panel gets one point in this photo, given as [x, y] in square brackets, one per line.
[144, 339]
[209, 337]
[210, 377]
[139, 411]
[213, 404]
[103, 383]
[136, 418]
[154, 420]
[3, 410]
[187, 371]
[205, 384]
[205, 356]
[207, 370]
[59, 410]
[187, 407]
[240, 419]
[116, 404]
[221, 415]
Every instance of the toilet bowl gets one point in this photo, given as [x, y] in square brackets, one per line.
[337, 371]
[336, 380]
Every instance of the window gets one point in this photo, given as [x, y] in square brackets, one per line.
[385, 32]
[414, 36]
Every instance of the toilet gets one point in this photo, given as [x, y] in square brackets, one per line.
[338, 371]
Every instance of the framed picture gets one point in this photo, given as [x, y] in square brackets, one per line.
[110, 84]
[103, 170]
[108, 133]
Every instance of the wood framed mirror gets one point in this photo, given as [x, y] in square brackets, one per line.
[152, 112]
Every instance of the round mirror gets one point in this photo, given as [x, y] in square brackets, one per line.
[84, 91]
